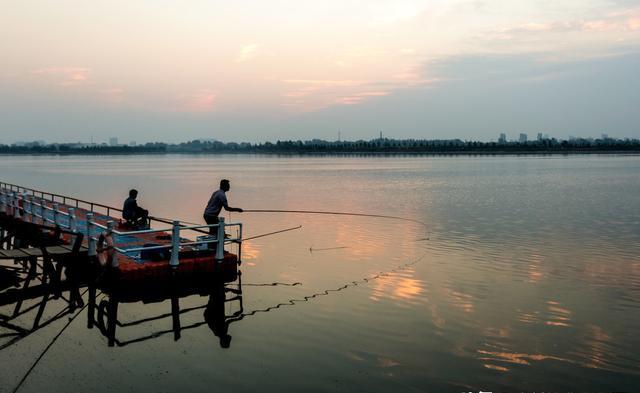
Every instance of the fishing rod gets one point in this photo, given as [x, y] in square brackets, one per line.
[311, 249]
[272, 233]
[165, 220]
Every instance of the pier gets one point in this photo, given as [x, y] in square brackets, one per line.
[59, 244]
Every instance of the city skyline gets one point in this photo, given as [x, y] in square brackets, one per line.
[540, 139]
[265, 71]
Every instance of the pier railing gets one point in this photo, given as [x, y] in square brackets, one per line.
[30, 208]
[176, 244]
[63, 199]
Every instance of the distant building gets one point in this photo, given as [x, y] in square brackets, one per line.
[605, 136]
[540, 136]
[523, 138]
[133, 143]
[503, 138]
[113, 141]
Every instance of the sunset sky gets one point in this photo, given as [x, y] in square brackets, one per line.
[168, 70]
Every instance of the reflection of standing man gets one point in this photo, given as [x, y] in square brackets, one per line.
[217, 201]
[215, 315]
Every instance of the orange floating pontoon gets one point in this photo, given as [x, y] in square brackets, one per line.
[133, 256]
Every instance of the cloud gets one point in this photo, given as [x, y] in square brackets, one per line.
[65, 76]
[325, 83]
[248, 52]
[201, 101]
[114, 95]
[627, 20]
[482, 95]
[314, 94]
[634, 23]
[359, 97]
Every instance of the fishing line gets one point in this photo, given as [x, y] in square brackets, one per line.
[342, 214]
[273, 284]
[292, 302]
[334, 213]
[50, 344]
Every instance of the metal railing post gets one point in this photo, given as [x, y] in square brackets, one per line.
[16, 205]
[3, 202]
[27, 208]
[40, 209]
[3, 208]
[220, 238]
[9, 204]
[175, 244]
[72, 220]
[114, 257]
[34, 209]
[91, 243]
[55, 213]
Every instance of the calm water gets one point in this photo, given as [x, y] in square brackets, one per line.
[529, 279]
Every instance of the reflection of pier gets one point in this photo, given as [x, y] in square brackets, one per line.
[52, 244]
[104, 314]
[43, 263]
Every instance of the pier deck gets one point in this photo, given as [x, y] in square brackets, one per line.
[137, 254]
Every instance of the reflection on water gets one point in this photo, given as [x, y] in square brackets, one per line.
[527, 277]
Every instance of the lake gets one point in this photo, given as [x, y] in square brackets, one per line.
[524, 277]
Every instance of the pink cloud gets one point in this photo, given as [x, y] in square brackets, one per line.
[312, 94]
[202, 101]
[601, 25]
[324, 82]
[625, 20]
[359, 97]
[114, 95]
[65, 76]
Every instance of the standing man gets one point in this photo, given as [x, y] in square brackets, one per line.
[217, 201]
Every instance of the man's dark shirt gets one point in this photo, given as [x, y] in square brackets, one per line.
[130, 209]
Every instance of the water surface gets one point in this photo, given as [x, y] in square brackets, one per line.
[526, 276]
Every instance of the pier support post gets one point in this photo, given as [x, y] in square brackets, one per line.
[175, 244]
[240, 244]
[220, 244]
[91, 243]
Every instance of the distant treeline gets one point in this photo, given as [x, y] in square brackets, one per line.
[381, 145]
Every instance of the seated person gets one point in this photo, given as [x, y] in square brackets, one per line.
[135, 216]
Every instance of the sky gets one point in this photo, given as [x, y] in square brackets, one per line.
[170, 70]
